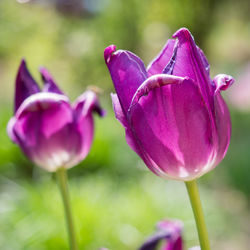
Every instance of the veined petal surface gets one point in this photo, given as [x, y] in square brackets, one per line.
[84, 107]
[162, 59]
[127, 72]
[172, 119]
[43, 125]
[174, 116]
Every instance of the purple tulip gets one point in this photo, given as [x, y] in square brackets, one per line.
[169, 232]
[173, 113]
[50, 131]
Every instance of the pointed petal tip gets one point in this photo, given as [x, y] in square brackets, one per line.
[43, 71]
[25, 84]
[22, 67]
[108, 53]
[182, 33]
[48, 81]
[46, 76]
[23, 61]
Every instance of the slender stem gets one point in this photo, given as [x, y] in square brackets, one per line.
[194, 197]
[63, 185]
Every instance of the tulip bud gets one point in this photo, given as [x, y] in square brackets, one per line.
[173, 113]
[49, 130]
[168, 232]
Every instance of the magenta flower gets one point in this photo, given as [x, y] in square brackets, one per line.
[173, 113]
[171, 233]
[50, 131]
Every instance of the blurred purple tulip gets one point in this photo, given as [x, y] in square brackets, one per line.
[51, 132]
[239, 95]
[169, 232]
[173, 113]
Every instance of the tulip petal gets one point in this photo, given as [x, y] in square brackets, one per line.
[10, 132]
[222, 115]
[42, 123]
[131, 137]
[164, 120]
[153, 241]
[119, 114]
[127, 72]
[204, 60]
[222, 82]
[49, 83]
[25, 85]
[83, 108]
[170, 231]
[223, 125]
[190, 62]
[162, 59]
[173, 118]
[87, 103]
[56, 152]
[152, 82]
[48, 105]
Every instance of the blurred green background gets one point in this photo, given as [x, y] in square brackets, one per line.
[116, 200]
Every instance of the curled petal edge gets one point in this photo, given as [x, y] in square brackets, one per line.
[40, 100]
[90, 103]
[108, 53]
[222, 82]
[153, 82]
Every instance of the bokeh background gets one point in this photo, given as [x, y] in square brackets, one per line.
[116, 200]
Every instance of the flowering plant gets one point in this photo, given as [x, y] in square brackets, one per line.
[51, 132]
[173, 113]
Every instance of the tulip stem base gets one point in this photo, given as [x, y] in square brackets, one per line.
[63, 186]
[194, 197]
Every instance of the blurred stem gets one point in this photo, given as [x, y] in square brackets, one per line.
[194, 197]
[63, 185]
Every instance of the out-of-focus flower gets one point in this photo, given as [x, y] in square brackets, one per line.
[171, 233]
[50, 131]
[173, 113]
[239, 95]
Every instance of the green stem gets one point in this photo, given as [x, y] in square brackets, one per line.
[63, 185]
[194, 197]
